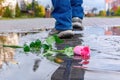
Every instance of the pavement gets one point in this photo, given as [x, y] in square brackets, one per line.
[42, 23]
[104, 49]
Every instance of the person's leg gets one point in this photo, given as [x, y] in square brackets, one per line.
[77, 9]
[63, 14]
[77, 13]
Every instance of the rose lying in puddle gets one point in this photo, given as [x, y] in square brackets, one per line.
[82, 52]
[46, 49]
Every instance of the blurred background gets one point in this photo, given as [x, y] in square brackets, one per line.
[43, 8]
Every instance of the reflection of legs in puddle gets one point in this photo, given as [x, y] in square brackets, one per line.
[78, 71]
[78, 63]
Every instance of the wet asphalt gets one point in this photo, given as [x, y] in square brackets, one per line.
[99, 34]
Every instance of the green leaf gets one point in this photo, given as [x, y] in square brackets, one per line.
[50, 40]
[57, 39]
[67, 46]
[45, 46]
[68, 51]
[32, 45]
[38, 43]
[48, 53]
[26, 48]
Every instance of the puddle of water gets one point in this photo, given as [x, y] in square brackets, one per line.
[104, 62]
[24, 69]
[105, 53]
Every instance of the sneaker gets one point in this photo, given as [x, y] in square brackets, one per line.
[62, 34]
[77, 23]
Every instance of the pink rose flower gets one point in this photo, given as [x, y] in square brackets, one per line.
[83, 51]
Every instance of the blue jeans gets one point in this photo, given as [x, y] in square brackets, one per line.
[63, 12]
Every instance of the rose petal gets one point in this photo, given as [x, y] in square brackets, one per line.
[85, 50]
[85, 62]
[77, 50]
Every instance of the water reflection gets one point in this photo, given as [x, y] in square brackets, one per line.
[105, 53]
[24, 69]
[104, 63]
[115, 30]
